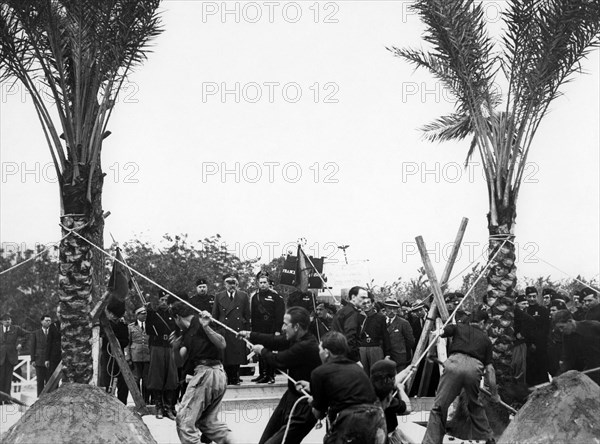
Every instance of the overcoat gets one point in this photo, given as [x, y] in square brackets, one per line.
[236, 315]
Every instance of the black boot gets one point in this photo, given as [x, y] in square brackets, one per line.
[258, 378]
[158, 399]
[170, 400]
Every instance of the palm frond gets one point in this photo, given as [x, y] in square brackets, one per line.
[446, 128]
[82, 50]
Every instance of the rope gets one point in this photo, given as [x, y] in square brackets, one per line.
[35, 255]
[509, 239]
[248, 343]
[567, 274]
[287, 427]
[445, 284]
[437, 336]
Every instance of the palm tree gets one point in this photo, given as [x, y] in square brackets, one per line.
[542, 46]
[81, 51]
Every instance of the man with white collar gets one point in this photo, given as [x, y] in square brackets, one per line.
[401, 335]
[232, 308]
[37, 350]
[9, 351]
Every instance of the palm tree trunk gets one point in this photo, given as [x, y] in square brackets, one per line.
[81, 273]
[502, 279]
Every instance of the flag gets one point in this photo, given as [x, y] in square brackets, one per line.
[302, 270]
[120, 278]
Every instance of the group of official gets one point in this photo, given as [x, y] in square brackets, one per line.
[44, 349]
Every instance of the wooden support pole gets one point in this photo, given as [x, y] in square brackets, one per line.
[95, 314]
[441, 346]
[115, 349]
[53, 380]
[433, 282]
[429, 322]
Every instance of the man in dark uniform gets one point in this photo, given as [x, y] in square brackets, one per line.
[547, 295]
[555, 339]
[591, 302]
[202, 300]
[162, 375]
[577, 309]
[524, 338]
[109, 368]
[37, 350]
[321, 324]
[232, 308]
[537, 358]
[346, 320]
[373, 336]
[202, 348]
[10, 347]
[470, 357]
[581, 349]
[53, 344]
[304, 299]
[416, 319]
[298, 353]
[267, 309]
[341, 390]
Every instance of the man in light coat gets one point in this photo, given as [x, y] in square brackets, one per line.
[139, 351]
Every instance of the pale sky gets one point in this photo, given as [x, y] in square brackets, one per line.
[281, 120]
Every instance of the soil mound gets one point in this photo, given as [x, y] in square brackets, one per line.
[79, 413]
[564, 412]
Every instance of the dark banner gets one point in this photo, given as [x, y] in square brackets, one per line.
[288, 274]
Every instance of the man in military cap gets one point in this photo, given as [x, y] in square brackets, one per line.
[537, 358]
[162, 375]
[547, 295]
[267, 309]
[321, 324]
[591, 303]
[202, 300]
[232, 308]
[139, 351]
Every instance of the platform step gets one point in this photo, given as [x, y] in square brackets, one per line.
[255, 391]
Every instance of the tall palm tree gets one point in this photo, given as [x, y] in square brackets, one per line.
[81, 51]
[542, 45]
